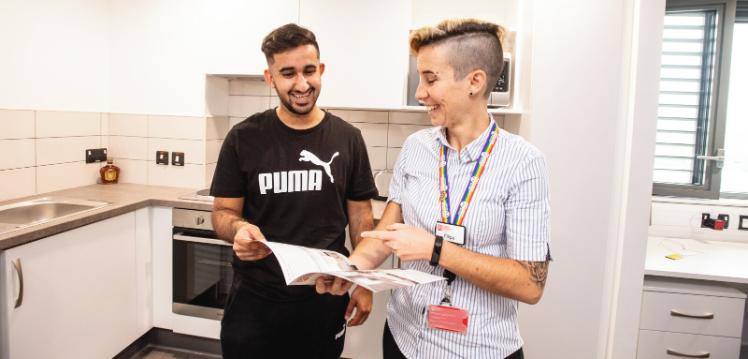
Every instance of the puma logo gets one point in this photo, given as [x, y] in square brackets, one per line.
[307, 156]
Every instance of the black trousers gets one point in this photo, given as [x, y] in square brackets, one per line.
[391, 351]
[256, 328]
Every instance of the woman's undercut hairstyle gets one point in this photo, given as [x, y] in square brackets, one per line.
[471, 45]
[287, 37]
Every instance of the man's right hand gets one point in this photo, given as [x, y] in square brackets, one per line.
[332, 285]
[246, 243]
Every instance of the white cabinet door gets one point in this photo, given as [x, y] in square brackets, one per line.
[364, 45]
[79, 293]
[234, 31]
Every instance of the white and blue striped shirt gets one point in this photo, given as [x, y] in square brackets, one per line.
[508, 218]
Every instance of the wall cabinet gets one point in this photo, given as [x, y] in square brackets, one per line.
[234, 31]
[364, 45]
[79, 293]
[681, 318]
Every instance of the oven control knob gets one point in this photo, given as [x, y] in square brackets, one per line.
[199, 220]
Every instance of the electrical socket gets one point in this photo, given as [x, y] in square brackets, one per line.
[177, 158]
[95, 155]
[726, 218]
[162, 158]
[743, 223]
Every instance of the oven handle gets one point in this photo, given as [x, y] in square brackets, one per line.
[182, 237]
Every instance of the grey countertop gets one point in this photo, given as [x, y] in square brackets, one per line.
[122, 198]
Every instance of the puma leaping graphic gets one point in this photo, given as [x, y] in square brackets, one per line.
[307, 156]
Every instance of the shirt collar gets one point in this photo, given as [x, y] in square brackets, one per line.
[471, 152]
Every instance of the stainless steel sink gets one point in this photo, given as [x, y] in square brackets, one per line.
[40, 210]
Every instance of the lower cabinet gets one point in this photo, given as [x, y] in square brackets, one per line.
[690, 319]
[71, 295]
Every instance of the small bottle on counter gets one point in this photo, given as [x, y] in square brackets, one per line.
[109, 173]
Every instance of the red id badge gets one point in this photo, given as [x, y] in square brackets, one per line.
[448, 318]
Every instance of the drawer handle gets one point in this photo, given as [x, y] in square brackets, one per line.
[679, 354]
[677, 313]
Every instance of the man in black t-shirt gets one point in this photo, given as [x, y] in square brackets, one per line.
[294, 174]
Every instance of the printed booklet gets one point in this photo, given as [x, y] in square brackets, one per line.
[302, 266]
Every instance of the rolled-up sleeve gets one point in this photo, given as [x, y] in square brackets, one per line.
[528, 212]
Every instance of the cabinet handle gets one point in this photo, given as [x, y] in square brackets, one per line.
[19, 273]
[684, 355]
[677, 313]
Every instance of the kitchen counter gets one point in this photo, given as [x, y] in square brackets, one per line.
[122, 198]
[702, 259]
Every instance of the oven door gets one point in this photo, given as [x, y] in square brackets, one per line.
[202, 273]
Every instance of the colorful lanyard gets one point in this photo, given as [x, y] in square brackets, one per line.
[467, 197]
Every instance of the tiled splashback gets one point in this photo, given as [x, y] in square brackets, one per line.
[384, 131]
[44, 150]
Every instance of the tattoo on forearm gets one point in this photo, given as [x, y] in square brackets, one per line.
[538, 272]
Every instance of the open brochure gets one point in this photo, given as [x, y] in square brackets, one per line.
[302, 266]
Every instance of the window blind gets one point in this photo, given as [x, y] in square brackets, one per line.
[685, 87]
[741, 15]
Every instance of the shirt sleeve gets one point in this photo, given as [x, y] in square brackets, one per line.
[361, 179]
[528, 213]
[397, 183]
[229, 180]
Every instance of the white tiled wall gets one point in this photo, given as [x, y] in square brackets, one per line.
[384, 131]
[682, 218]
[45, 150]
[48, 146]
[134, 148]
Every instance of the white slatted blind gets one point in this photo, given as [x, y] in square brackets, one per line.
[684, 97]
[741, 15]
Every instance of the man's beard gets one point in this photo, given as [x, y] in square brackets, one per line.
[286, 102]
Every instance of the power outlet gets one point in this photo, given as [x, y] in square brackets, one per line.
[162, 158]
[177, 158]
[726, 218]
[743, 223]
[95, 155]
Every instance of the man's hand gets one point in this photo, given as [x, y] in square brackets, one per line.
[361, 300]
[407, 242]
[332, 285]
[246, 243]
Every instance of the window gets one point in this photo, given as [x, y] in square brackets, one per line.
[692, 156]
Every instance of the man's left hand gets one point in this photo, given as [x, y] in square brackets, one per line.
[361, 300]
[407, 242]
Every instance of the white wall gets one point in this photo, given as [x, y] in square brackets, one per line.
[157, 57]
[54, 55]
[582, 117]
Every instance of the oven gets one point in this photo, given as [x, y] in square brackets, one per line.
[202, 273]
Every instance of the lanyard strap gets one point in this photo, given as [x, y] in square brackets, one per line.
[467, 197]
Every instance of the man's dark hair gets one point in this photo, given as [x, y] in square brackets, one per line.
[287, 37]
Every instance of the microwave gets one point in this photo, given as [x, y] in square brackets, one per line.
[501, 94]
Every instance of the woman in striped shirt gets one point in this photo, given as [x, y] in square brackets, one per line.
[467, 201]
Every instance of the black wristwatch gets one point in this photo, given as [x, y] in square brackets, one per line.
[438, 241]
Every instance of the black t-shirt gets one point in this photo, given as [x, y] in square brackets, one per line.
[295, 184]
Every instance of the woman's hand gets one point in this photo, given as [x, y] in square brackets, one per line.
[407, 242]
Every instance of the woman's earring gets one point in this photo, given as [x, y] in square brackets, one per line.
[471, 93]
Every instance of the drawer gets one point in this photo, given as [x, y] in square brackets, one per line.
[663, 345]
[693, 314]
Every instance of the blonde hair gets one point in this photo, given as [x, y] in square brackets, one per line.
[472, 45]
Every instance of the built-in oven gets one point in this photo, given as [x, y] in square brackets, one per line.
[202, 272]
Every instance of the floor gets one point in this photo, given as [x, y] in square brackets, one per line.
[162, 352]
